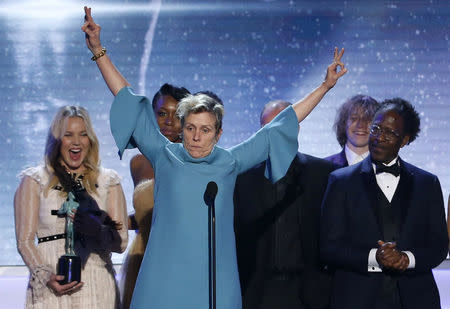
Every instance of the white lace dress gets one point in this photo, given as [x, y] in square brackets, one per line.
[33, 220]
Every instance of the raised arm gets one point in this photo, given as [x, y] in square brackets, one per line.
[111, 75]
[303, 107]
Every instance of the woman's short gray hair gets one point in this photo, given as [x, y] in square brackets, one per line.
[198, 103]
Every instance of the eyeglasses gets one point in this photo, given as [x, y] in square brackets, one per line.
[388, 134]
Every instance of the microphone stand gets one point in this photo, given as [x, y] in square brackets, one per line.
[212, 255]
[209, 198]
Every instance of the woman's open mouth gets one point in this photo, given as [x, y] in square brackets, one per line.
[75, 154]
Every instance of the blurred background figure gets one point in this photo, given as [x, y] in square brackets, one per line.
[277, 232]
[351, 125]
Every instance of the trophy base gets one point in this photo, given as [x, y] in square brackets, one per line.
[69, 266]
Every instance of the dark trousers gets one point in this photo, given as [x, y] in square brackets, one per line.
[389, 297]
[281, 293]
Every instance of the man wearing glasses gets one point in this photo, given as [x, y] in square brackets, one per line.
[383, 224]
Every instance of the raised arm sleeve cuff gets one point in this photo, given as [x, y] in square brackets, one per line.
[124, 114]
[283, 144]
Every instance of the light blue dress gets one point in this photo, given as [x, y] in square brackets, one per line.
[174, 270]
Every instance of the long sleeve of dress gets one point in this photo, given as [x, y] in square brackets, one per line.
[276, 141]
[117, 210]
[133, 124]
[26, 214]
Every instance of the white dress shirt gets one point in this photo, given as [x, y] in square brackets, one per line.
[352, 157]
[388, 184]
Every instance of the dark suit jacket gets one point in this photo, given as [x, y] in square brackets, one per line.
[274, 222]
[350, 228]
[339, 159]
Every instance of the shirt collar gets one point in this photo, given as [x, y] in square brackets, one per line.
[389, 164]
[352, 157]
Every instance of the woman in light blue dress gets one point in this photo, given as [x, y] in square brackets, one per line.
[174, 271]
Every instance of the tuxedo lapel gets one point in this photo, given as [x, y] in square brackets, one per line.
[401, 198]
[403, 194]
[294, 184]
[299, 168]
[371, 187]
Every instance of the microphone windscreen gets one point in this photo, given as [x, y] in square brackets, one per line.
[211, 189]
[210, 193]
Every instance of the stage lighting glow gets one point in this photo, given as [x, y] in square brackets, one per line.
[49, 10]
[54, 9]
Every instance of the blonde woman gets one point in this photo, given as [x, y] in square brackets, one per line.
[71, 165]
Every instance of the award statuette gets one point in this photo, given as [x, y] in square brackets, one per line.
[69, 265]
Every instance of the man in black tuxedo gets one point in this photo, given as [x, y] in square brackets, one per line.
[277, 233]
[352, 129]
[383, 224]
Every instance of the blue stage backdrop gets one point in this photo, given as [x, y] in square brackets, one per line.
[248, 52]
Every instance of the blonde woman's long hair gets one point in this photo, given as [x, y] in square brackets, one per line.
[53, 145]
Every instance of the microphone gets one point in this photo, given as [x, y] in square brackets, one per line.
[210, 193]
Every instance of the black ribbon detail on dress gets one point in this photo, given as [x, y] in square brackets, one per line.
[51, 237]
[95, 231]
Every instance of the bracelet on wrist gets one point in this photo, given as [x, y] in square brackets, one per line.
[100, 54]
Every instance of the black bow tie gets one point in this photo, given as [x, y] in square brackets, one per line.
[393, 169]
